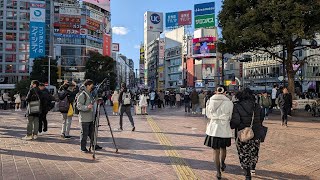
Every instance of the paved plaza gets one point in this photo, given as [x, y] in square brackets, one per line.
[167, 144]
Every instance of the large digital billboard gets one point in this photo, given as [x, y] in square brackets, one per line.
[204, 47]
[104, 4]
[37, 29]
[204, 15]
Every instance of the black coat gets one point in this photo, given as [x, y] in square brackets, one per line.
[46, 99]
[242, 116]
[285, 100]
[63, 92]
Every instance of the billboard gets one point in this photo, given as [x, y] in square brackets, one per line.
[204, 15]
[208, 71]
[104, 4]
[69, 10]
[115, 47]
[176, 19]
[204, 47]
[153, 21]
[161, 52]
[37, 29]
[106, 45]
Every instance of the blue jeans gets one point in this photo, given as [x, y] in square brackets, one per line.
[266, 111]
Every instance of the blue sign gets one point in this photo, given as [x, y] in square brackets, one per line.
[37, 39]
[204, 9]
[172, 19]
[155, 18]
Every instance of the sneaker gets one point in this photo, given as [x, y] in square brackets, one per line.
[62, 136]
[35, 137]
[253, 172]
[120, 129]
[39, 133]
[45, 132]
[134, 128]
[27, 138]
[98, 147]
[67, 137]
[84, 150]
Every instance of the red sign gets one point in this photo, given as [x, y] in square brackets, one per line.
[72, 26]
[185, 18]
[106, 45]
[93, 23]
[241, 69]
[70, 19]
[190, 72]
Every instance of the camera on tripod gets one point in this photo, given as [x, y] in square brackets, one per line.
[101, 88]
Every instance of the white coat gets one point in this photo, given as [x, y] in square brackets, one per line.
[143, 101]
[219, 111]
[17, 99]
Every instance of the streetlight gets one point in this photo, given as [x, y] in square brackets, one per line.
[49, 69]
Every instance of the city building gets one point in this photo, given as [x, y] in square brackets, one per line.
[152, 63]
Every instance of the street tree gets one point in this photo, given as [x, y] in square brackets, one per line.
[23, 86]
[99, 67]
[40, 70]
[266, 24]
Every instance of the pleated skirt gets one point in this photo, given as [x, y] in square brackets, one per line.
[217, 142]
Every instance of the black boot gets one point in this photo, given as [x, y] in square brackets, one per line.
[247, 173]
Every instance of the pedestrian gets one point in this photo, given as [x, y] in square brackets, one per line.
[148, 99]
[152, 98]
[178, 99]
[17, 101]
[34, 110]
[172, 99]
[219, 111]
[125, 106]
[274, 95]
[187, 102]
[46, 99]
[285, 104]
[67, 94]
[194, 101]
[245, 113]
[115, 101]
[265, 103]
[5, 99]
[86, 116]
[143, 104]
[167, 99]
[161, 99]
[202, 97]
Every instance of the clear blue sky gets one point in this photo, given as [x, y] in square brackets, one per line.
[127, 17]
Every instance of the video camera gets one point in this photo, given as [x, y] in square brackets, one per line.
[100, 88]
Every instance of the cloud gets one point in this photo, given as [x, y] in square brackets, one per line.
[137, 46]
[120, 31]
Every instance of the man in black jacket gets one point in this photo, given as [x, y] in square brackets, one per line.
[125, 97]
[67, 92]
[285, 103]
[46, 99]
[33, 118]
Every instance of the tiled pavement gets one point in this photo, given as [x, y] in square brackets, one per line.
[288, 153]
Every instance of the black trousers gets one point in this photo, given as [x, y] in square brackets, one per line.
[87, 129]
[43, 121]
[127, 110]
[284, 114]
[5, 105]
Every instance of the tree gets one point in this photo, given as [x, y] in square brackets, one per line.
[40, 71]
[265, 24]
[23, 87]
[99, 67]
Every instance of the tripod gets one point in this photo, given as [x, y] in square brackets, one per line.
[100, 104]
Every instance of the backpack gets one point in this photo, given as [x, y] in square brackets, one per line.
[126, 98]
[64, 105]
[76, 110]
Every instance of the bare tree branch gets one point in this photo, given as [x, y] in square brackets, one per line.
[304, 61]
[273, 54]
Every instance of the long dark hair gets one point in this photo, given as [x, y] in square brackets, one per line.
[246, 94]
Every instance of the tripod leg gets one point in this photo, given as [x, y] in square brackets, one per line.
[114, 142]
[95, 131]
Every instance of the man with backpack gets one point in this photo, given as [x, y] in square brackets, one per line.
[67, 94]
[125, 106]
[46, 99]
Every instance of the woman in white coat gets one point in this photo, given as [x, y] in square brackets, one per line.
[219, 111]
[143, 103]
[17, 101]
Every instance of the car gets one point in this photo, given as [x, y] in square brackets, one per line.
[305, 104]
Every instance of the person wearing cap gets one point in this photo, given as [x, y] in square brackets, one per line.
[125, 97]
[219, 111]
[33, 118]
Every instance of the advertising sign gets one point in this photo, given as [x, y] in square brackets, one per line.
[115, 47]
[142, 55]
[66, 19]
[66, 31]
[37, 29]
[172, 19]
[69, 10]
[205, 21]
[161, 73]
[161, 52]
[106, 45]
[153, 21]
[208, 71]
[204, 9]
[74, 26]
[204, 47]
[104, 4]
[185, 18]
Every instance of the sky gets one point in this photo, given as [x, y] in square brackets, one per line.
[127, 20]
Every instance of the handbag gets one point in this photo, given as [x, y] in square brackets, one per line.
[34, 106]
[247, 133]
[70, 111]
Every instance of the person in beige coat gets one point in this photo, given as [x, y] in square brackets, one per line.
[202, 101]
[115, 101]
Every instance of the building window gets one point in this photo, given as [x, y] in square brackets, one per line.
[24, 5]
[11, 36]
[24, 16]
[11, 26]
[10, 58]
[1, 36]
[11, 4]
[11, 15]
[10, 68]
[10, 47]
[24, 26]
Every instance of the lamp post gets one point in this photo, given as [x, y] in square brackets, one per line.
[135, 79]
[49, 69]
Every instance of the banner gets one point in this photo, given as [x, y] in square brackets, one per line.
[161, 52]
[204, 9]
[176, 19]
[172, 20]
[185, 18]
[115, 47]
[204, 15]
[208, 71]
[106, 45]
[37, 29]
[205, 21]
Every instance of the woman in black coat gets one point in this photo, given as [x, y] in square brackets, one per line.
[285, 104]
[241, 118]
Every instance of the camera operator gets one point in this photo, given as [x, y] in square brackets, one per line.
[67, 94]
[86, 115]
[33, 118]
[125, 106]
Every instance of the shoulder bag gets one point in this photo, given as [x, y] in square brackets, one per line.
[34, 106]
[246, 134]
